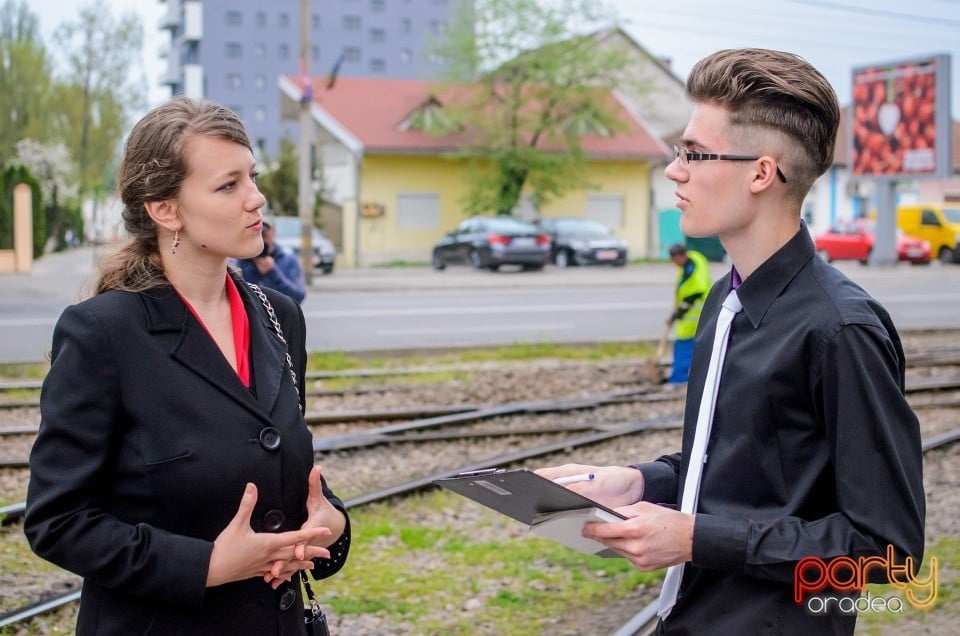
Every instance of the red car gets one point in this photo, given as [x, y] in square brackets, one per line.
[853, 240]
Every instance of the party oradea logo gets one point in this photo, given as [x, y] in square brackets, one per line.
[827, 586]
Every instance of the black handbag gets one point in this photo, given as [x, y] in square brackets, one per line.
[313, 617]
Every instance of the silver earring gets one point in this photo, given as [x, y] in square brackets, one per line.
[175, 243]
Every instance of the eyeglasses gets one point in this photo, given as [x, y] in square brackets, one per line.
[686, 156]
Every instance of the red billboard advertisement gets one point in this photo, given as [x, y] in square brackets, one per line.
[901, 119]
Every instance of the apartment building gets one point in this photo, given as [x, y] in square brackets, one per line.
[234, 51]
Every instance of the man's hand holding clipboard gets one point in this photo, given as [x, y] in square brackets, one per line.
[553, 510]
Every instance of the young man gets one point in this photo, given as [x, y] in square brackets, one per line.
[275, 267]
[693, 283]
[813, 450]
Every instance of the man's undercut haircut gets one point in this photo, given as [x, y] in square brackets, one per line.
[779, 92]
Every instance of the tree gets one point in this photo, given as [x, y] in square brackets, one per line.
[24, 78]
[535, 88]
[51, 165]
[96, 96]
[280, 184]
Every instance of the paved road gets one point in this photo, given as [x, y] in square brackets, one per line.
[416, 307]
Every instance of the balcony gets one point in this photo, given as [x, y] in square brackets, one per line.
[192, 21]
[171, 18]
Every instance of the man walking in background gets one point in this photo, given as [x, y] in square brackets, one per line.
[275, 267]
[693, 283]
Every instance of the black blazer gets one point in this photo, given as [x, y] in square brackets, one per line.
[146, 440]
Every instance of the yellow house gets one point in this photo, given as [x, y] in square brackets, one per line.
[410, 186]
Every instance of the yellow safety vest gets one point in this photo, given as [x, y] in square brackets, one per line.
[698, 282]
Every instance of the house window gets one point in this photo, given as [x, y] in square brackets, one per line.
[406, 25]
[377, 6]
[377, 35]
[259, 113]
[405, 56]
[260, 18]
[418, 210]
[234, 18]
[352, 23]
[314, 51]
[283, 51]
[234, 49]
[606, 208]
[283, 20]
[315, 22]
[260, 81]
[351, 54]
[377, 65]
[260, 50]
[234, 80]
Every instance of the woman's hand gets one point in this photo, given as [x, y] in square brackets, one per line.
[320, 515]
[240, 553]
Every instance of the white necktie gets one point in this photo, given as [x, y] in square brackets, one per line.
[698, 452]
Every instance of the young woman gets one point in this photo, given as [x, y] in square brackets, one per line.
[173, 470]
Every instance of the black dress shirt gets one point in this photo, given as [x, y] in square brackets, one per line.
[814, 450]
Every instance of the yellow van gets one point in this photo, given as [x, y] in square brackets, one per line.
[938, 223]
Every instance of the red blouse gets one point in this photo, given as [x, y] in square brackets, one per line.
[241, 329]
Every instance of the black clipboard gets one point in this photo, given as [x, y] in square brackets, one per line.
[521, 494]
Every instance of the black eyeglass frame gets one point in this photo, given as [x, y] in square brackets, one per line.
[692, 155]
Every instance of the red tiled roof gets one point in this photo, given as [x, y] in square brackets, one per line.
[372, 110]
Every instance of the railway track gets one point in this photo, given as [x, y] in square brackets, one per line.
[641, 624]
[534, 427]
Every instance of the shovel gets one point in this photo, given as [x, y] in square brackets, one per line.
[650, 371]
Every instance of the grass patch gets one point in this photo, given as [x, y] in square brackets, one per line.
[24, 371]
[407, 566]
[20, 395]
[518, 352]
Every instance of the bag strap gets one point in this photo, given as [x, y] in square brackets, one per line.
[314, 616]
[272, 315]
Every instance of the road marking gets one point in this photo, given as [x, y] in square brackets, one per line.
[28, 322]
[467, 310]
[488, 329]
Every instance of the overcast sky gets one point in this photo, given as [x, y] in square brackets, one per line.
[834, 36]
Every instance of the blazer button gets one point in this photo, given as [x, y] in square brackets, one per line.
[273, 520]
[287, 599]
[270, 438]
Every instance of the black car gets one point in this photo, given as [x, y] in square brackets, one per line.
[581, 241]
[489, 242]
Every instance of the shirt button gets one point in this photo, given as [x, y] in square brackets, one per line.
[273, 520]
[270, 438]
[287, 599]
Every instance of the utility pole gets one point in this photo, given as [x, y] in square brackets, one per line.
[306, 147]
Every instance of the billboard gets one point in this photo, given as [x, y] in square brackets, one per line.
[901, 119]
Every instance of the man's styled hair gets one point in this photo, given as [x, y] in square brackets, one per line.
[777, 91]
